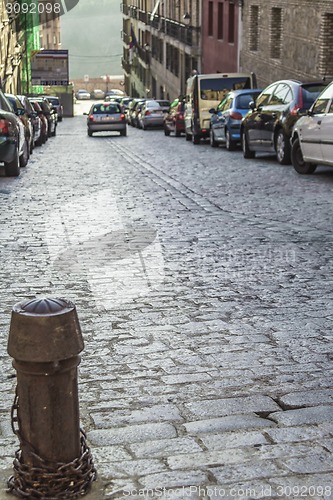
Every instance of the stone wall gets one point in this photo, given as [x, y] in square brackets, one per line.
[114, 82]
[294, 39]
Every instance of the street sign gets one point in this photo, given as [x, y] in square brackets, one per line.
[86, 78]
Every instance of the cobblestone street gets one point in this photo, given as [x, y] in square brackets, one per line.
[203, 284]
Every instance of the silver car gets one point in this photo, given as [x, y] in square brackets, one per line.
[106, 117]
[151, 115]
[311, 140]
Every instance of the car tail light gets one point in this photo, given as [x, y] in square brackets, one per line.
[91, 118]
[4, 127]
[299, 105]
[122, 116]
[235, 115]
[147, 113]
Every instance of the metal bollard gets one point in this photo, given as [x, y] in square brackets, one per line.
[53, 461]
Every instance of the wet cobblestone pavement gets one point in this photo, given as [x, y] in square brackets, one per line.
[203, 284]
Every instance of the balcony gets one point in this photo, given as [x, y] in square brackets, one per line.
[126, 66]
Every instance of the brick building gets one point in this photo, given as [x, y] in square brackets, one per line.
[221, 29]
[287, 39]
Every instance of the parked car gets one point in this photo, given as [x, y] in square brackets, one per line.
[97, 94]
[225, 120]
[150, 115]
[56, 104]
[82, 94]
[268, 125]
[312, 135]
[34, 118]
[165, 105]
[43, 120]
[13, 144]
[204, 92]
[20, 111]
[174, 118]
[105, 117]
[125, 102]
[131, 112]
[49, 113]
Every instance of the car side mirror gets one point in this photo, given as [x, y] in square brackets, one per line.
[85, 114]
[20, 112]
[252, 105]
[213, 111]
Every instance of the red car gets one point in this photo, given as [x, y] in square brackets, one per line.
[174, 119]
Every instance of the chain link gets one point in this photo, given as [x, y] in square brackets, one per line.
[51, 482]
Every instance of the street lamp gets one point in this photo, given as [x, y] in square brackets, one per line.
[187, 18]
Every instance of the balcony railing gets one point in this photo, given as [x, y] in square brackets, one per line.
[126, 66]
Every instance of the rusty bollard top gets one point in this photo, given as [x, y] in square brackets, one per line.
[44, 330]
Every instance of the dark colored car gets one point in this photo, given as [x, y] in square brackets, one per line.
[56, 104]
[225, 120]
[49, 113]
[12, 138]
[268, 125]
[34, 119]
[106, 117]
[21, 112]
[43, 121]
[174, 118]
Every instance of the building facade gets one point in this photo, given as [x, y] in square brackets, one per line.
[287, 39]
[221, 28]
[10, 52]
[161, 46]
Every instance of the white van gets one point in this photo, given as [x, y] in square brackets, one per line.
[204, 92]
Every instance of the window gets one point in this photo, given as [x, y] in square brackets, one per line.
[264, 97]
[282, 95]
[276, 33]
[254, 28]
[210, 18]
[220, 21]
[231, 31]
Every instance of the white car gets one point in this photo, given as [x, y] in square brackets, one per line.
[312, 136]
[82, 94]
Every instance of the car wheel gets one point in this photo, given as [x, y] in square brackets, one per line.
[123, 133]
[39, 141]
[166, 131]
[177, 133]
[54, 133]
[25, 155]
[195, 139]
[90, 133]
[188, 137]
[229, 143]
[282, 148]
[12, 168]
[143, 126]
[298, 162]
[247, 153]
[212, 139]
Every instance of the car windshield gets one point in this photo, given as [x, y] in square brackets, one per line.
[217, 88]
[106, 109]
